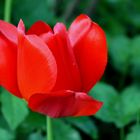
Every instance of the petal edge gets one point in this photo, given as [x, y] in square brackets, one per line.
[64, 104]
[37, 68]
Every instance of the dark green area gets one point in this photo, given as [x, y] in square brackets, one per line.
[120, 86]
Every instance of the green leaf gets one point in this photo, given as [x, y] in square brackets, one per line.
[36, 136]
[134, 19]
[120, 109]
[14, 109]
[134, 134]
[3, 122]
[108, 95]
[5, 135]
[63, 131]
[85, 124]
[133, 14]
[135, 62]
[120, 52]
[131, 99]
[33, 121]
[128, 106]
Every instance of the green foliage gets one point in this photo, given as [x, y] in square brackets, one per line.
[120, 52]
[1, 9]
[130, 100]
[33, 12]
[5, 135]
[128, 105]
[119, 109]
[63, 131]
[134, 134]
[34, 121]
[36, 136]
[108, 95]
[135, 62]
[13, 109]
[88, 127]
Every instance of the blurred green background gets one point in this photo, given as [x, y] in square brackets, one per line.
[119, 89]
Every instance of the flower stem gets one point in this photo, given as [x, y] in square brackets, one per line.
[7, 10]
[49, 128]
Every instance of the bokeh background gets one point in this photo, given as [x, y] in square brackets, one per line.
[119, 89]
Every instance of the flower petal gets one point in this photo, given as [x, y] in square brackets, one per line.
[79, 28]
[91, 54]
[68, 76]
[39, 28]
[36, 65]
[8, 66]
[9, 31]
[64, 103]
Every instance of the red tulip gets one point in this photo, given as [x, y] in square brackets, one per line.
[53, 70]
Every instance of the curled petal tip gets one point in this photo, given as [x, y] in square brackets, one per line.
[59, 27]
[21, 27]
[79, 27]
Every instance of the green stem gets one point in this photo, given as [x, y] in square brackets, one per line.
[49, 128]
[7, 10]
[122, 133]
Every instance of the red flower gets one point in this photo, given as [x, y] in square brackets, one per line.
[53, 70]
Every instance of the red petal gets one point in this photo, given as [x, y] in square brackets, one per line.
[78, 28]
[68, 76]
[64, 103]
[9, 31]
[36, 66]
[39, 28]
[8, 66]
[91, 54]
